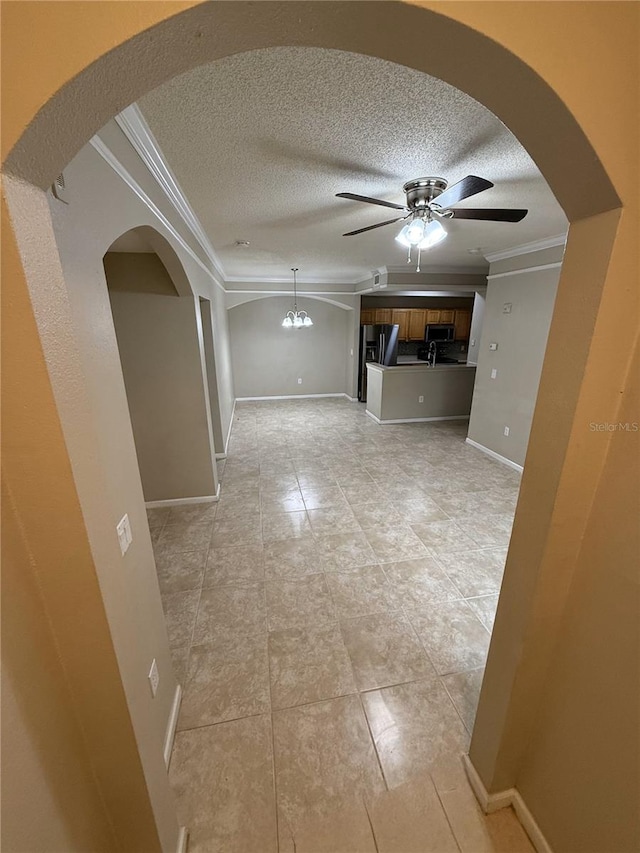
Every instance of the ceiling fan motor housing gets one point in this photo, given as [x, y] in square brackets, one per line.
[421, 192]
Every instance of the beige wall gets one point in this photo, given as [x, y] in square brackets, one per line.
[268, 359]
[157, 335]
[50, 115]
[46, 769]
[510, 398]
[581, 770]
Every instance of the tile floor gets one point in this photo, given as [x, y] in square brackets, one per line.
[329, 620]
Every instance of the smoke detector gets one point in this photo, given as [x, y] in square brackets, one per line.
[59, 189]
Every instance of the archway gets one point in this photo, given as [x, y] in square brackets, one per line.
[579, 182]
[161, 346]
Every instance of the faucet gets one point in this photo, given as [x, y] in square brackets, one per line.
[431, 354]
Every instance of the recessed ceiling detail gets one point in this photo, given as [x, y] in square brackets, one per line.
[261, 143]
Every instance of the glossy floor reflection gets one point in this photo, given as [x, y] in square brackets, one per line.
[329, 620]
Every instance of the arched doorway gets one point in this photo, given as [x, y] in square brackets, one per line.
[580, 184]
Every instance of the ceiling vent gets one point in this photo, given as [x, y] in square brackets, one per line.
[376, 280]
[59, 189]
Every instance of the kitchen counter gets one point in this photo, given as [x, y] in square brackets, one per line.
[411, 359]
[413, 391]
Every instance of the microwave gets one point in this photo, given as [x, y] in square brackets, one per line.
[439, 332]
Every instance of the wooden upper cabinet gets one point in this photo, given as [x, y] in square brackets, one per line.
[382, 315]
[447, 315]
[417, 322]
[401, 317]
[463, 325]
[366, 317]
[433, 315]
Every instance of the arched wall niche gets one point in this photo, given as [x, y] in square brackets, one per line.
[159, 245]
[66, 101]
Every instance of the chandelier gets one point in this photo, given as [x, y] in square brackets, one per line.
[296, 319]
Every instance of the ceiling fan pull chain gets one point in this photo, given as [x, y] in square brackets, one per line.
[419, 252]
[409, 255]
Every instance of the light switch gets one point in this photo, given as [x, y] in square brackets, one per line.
[493, 347]
[125, 537]
[494, 373]
[506, 308]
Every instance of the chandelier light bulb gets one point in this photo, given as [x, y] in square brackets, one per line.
[287, 322]
[308, 321]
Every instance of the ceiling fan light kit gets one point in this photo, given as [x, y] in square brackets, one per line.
[296, 319]
[424, 231]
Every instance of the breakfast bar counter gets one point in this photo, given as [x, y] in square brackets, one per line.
[417, 392]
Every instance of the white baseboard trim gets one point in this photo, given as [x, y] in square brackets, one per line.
[502, 799]
[351, 399]
[289, 397]
[171, 725]
[495, 455]
[183, 837]
[226, 443]
[416, 420]
[201, 499]
[220, 456]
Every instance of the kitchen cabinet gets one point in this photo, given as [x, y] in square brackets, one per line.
[447, 315]
[382, 315]
[367, 317]
[417, 322]
[401, 316]
[433, 315]
[462, 323]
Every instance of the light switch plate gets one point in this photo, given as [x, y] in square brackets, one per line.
[506, 308]
[493, 347]
[125, 537]
[494, 373]
[506, 430]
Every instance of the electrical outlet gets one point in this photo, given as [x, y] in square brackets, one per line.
[494, 373]
[506, 308]
[421, 399]
[154, 677]
[351, 351]
[472, 342]
[299, 380]
[125, 537]
[506, 430]
[493, 347]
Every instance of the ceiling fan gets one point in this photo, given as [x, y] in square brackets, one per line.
[427, 201]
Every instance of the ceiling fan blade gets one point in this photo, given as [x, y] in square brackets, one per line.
[471, 185]
[369, 227]
[496, 215]
[368, 200]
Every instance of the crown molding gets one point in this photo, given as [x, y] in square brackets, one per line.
[527, 248]
[109, 157]
[288, 282]
[437, 270]
[134, 126]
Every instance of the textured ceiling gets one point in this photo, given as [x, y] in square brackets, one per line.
[261, 142]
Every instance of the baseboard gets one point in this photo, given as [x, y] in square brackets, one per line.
[183, 837]
[220, 456]
[416, 420]
[290, 397]
[495, 455]
[502, 799]
[226, 443]
[201, 499]
[351, 399]
[171, 725]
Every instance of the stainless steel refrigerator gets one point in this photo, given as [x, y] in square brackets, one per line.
[378, 344]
